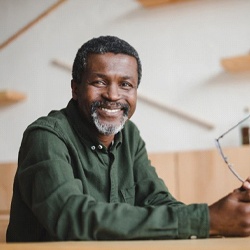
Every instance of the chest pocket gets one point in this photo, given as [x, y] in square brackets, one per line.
[128, 195]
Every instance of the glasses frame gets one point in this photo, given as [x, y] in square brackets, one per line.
[224, 157]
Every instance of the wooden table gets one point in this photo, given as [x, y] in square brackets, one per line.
[200, 244]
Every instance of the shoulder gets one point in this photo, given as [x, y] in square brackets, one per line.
[131, 135]
[131, 128]
[56, 121]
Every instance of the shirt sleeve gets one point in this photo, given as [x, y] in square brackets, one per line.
[190, 220]
[56, 198]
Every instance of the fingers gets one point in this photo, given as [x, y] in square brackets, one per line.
[246, 184]
[241, 195]
[230, 216]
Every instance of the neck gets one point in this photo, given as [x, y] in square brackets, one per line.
[106, 140]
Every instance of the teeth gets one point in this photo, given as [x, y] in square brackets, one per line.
[111, 110]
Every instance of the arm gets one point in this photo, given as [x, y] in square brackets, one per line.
[56, 199]
[230, 216]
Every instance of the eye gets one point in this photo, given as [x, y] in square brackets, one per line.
[99, 83]
[126, 85]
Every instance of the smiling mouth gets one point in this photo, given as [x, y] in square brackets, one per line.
[110, 110]
[111, 113]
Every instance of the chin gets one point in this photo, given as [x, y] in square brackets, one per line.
[108, 128]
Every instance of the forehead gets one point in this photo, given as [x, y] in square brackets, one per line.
[111, 61]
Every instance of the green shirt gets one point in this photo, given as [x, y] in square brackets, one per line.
[68, 186]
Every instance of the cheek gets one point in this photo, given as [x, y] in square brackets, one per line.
[132, 110]
[92, 94]
[87, 99]
[84, 102]
[87, 96]
[132, 104]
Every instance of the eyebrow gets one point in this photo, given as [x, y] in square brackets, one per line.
[104, 76]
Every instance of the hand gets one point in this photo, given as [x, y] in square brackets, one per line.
[230, 216]
[246, 184]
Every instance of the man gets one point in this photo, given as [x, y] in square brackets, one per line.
[84, 174]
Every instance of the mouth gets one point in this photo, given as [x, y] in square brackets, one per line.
[112, 113]
[110, 109]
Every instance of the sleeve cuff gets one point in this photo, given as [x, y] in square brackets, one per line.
[193, 221]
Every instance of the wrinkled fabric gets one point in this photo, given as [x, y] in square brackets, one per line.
[68, 186]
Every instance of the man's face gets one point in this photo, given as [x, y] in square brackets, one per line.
[108, 91]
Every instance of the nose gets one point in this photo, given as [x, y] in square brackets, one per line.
[112, 92]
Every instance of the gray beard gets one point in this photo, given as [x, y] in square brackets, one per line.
[108, 129]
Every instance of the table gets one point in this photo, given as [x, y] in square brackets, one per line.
[198, 244]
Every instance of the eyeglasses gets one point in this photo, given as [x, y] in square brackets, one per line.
[224, 157]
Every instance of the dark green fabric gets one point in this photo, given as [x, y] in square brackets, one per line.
[70, 187]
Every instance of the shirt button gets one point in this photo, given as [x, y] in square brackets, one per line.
[100, 146]
[93, 147]
[193, 237]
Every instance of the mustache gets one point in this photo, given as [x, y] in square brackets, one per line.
[106, 104]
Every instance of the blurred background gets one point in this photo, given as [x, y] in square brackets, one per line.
[186, 97]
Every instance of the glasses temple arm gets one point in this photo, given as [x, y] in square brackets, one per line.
[233, 127]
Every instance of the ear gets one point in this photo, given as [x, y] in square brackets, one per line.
[74, 89]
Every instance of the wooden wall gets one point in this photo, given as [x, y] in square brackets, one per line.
[201, 176]
[7, 172]
[191, 176]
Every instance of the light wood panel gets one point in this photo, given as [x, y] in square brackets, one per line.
[201, 244]
[7, 172]
[204, 177]
[165, 164]
[9, 96]
[201, 176]
[4, 221]
[236, 64]
[153, 3]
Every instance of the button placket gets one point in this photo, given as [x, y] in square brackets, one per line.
[99, 152]
[113, 180]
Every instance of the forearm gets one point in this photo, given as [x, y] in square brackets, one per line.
[68, 214]
[82, 218]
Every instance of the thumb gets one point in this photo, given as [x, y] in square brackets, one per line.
[246, 184]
